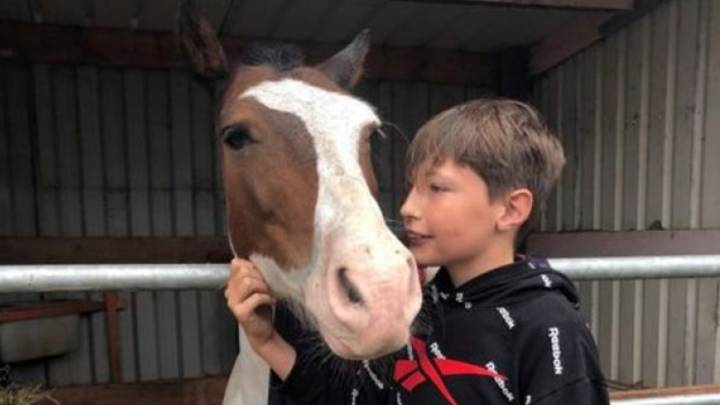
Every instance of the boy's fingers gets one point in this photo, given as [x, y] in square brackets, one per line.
[245, 310]
[241, 281]
[241, 268]
[242, 289]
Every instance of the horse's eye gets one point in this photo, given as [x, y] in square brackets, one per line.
[237, 138]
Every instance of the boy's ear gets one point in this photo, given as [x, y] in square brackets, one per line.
[518, 206]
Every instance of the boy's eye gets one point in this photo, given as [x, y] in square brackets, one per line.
[436, 188]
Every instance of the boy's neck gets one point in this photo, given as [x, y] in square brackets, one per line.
[462, 272]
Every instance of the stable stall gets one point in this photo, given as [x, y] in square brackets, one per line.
[107, 157]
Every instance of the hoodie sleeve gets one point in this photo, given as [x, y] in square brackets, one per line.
[304, 384]
[558, 362]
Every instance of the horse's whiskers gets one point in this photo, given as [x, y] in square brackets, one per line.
[397, 129]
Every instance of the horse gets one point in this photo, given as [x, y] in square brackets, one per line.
[299, 190]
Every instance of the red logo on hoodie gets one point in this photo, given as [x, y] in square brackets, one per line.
[411, 373]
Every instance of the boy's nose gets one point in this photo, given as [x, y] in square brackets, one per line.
[408, 210]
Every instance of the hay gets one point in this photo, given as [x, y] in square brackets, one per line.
[12, 393]
[24, 395]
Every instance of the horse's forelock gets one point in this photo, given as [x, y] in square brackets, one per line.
[281, 57]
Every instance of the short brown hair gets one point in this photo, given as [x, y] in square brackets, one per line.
[506, 142]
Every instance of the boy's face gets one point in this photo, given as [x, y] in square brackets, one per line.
[448, 215]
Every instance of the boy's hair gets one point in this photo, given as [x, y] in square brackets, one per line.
[506, 142]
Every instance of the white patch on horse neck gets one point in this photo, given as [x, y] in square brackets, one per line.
[334, 121]
[284, 282]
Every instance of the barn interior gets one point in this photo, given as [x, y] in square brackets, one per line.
[107, 156]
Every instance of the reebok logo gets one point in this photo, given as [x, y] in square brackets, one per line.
[554, 334]
[435, 350]
[501, 383]
[546, 280]
[506, 317]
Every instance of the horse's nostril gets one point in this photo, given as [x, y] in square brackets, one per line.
[352, 292]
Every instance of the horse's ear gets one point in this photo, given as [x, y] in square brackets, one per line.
[346, 66]
[199, 42]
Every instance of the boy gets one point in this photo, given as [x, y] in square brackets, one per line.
[503, 329]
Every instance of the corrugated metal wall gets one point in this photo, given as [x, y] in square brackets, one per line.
[639, 116]
[106, 152]
[88, 152]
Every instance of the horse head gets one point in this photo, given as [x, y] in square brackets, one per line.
[299, 189]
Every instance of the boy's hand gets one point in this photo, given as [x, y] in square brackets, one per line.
[250, 300]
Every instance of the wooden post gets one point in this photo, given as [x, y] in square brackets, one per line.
[113, 338]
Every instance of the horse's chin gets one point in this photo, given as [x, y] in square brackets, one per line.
[353, 351]
[340, 348]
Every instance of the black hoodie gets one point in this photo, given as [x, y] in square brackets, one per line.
[511, 336]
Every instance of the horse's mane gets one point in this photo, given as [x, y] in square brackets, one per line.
[283, 57]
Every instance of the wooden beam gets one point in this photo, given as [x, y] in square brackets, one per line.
[583, 32]
[208, 390]
[113, 250]
[632, 243]
[562, 4]
[49, 43]
[665, 392]
[113, 304]
[570, 39]
[52, 309]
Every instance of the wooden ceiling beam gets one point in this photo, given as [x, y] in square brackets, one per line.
[47, 43]
[583, 32]
[114, 250]
[586, 5]
[570, 39]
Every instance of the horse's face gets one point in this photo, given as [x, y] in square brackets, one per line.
[300, 207]
[298, 184]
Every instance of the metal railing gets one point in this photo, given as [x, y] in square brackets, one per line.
[107, 277]
[96, 277]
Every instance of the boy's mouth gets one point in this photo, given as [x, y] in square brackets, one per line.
[416, 238]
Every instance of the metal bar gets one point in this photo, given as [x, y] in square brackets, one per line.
[84, 277]
[88, 277]
[697, 399]
[639, 267]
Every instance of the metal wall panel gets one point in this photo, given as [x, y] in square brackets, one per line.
[637, 114]
[92, 152]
